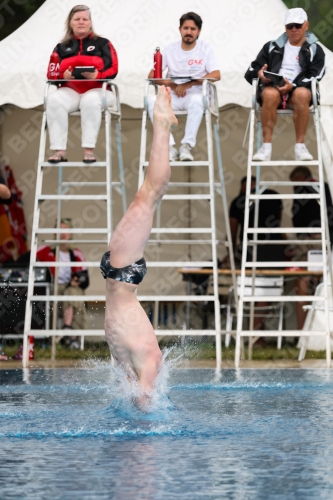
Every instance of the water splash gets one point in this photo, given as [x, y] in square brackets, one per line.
[161, 430]
[126, 391]
[122, 388]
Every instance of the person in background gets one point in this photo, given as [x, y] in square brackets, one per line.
[306, 213]
[236, 219]
[6, 199]
[81, 46]
[5, 194]
[193, 58]
[299, 59]
[72, 280]
[270, 214]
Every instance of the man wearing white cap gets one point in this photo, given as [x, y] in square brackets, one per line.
[298, 58]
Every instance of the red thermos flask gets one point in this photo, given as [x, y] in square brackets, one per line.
[157, 63]
[54, 67]
[31, 345]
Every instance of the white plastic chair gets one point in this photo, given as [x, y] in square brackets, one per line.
[264, 286]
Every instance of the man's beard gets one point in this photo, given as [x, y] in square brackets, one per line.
[189, 40]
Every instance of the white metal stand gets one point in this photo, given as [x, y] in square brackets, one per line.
[314, 310]
[211, 109]
[323, 230]
[63, 187]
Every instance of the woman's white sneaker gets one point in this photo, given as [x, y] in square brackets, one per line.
[264, 153]
[302, 153]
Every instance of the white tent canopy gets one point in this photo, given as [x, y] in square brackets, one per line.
[236, 29]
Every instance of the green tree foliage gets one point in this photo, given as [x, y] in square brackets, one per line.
[13, 13]
[320, 14]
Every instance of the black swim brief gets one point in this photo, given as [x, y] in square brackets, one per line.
[133, 273]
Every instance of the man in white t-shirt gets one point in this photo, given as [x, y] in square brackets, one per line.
[188, 57]
[298, 58]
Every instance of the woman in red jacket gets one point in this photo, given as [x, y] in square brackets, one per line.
[80, 47]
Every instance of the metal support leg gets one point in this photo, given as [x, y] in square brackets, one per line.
[280, 326]
[121, 166]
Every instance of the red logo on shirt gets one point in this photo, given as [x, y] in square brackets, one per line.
[54, 66]
[195, 61]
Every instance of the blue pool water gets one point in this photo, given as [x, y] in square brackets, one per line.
[265, 434]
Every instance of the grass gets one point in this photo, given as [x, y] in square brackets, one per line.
[207, 352]
[90, 351]
[194, 351]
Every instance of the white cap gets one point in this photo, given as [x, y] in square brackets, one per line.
[296, 16]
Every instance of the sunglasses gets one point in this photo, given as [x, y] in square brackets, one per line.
[294, 25]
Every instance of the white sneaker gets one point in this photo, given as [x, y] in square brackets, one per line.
[173, 153]
[263, 154]
[185, 153]
[302, 153]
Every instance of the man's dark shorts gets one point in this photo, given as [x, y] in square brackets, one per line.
[261, 87]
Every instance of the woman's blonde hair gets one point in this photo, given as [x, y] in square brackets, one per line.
[69, 32]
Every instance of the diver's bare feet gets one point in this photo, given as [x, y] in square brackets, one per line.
[163, 113]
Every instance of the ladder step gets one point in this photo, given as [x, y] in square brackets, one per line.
[217, 185]
[288, 183]
[71, 197]
[284, 196]
[74, 164]
[283, 242]
[64, 264]
[283, 264]
[285, 163]
[73, 230]
[64, 333]
[101, 298]
[61, 298]
[182, 230]
[175, 298]
[298, 230]
[90, 333]
[152, 242]
[83, 184]
[90, 184]
[283, 298]
[95, 242]
[183, 163]
[281, 333]
[178, 263]
[101, 333]
[190, 333]
[190, 184]
[186, 197]
[174, 242]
